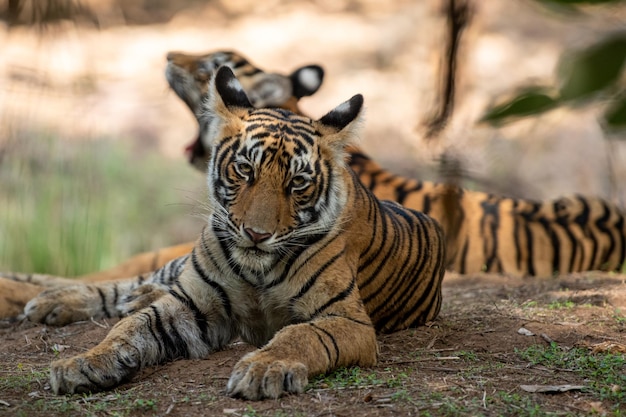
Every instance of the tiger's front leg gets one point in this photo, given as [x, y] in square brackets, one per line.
[166, 330]
[302, 350]
[77, 302]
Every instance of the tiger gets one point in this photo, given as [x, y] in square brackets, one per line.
[297, 257]
[188, 76]
[485, 232]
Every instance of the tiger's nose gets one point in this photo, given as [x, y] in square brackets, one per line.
[257, 237]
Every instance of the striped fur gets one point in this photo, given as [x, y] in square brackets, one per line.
[297, 258]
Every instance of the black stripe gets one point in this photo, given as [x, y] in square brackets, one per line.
[322, 342]
[172, 347]
[489, 229]
[379, 258]
[622, 237]
[367, 260]
[116, 295]
[600, 223]
[221, 293]
[406, 188]
[152, 333]
[332, 339]
[180, 344]
[103, 300]
[339, 297]
[311, 281]
[583, 222]
[516, 236]
[463, 259]
[199, 317]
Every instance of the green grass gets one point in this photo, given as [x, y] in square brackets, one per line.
[602, 372]
[355, 377]
[561, 304]
[21, 378]
[116, 404]
[68, 208]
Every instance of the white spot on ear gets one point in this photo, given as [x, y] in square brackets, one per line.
[235, 84]
[342, 108]
[309, 78]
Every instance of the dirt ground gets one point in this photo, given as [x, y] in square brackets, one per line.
[467, 362]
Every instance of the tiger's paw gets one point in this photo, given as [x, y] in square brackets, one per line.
[141, 297]
[255, 378]
[96, 372]
[61, 306]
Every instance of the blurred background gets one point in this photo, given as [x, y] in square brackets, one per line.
[92, 168]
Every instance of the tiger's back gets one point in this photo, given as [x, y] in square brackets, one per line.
[490, 233]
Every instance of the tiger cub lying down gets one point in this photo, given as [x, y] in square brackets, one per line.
[297, 258]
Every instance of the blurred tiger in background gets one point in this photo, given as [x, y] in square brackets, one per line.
[297, 258]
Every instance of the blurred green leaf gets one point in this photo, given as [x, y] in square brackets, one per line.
[593, 69]
[530, 101]
[615, 116]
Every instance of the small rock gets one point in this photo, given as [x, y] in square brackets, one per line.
[525, 332]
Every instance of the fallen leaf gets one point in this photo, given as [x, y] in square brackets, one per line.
[609, 347]
[551, 388]
[596, 407]
[59, 348]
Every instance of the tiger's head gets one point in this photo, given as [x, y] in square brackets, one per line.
[189, 76]
[277, 181]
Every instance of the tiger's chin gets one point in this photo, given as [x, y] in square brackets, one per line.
[254, 258]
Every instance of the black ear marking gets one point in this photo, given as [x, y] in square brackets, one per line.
[229, 88]
[342, 115]
[306, 80]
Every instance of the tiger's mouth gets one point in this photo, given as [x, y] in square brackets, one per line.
[254, 257]
[256, 251]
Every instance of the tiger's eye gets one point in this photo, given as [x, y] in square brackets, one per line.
[299, 181]
[244, 168]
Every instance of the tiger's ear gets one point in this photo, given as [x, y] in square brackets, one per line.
[229, 89]
[338, 125]
[226, 104]
[344, 114]
[305, 81]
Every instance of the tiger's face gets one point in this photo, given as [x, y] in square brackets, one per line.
[276, 179]
[189, 76]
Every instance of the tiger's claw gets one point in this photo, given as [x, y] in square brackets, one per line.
[255, 378]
